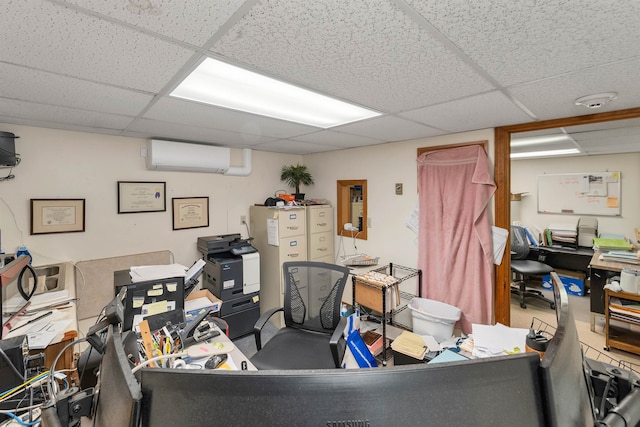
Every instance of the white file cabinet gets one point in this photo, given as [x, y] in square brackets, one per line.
[280, 235]
[320, 233]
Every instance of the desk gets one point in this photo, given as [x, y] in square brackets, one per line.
[61, 280]
[601, 271]
[563, 258]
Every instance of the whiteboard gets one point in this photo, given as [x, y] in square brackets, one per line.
[589, 193]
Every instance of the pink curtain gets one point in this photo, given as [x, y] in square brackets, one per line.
[455, 248]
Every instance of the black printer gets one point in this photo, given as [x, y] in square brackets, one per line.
[232, 273]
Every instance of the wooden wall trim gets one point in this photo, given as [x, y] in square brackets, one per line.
[502, 176]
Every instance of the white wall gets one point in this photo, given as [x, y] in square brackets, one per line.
[383, 166]
[63, 164]
[524, 180]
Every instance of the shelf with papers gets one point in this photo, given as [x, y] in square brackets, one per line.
[379, 290]
[623, 308]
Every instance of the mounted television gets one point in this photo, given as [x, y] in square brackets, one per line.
[8, 149]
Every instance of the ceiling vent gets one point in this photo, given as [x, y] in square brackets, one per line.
[183, 156]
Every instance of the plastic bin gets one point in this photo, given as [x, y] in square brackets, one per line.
[433, 318]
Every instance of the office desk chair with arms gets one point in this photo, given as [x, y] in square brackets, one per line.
[523, 268]
[312, 337]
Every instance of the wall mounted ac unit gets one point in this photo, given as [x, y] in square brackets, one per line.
[182, 156]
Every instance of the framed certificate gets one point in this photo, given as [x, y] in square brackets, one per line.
[57, 215]
[190, 212]
[141, 196]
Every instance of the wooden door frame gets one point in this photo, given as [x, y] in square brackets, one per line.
[502, 176]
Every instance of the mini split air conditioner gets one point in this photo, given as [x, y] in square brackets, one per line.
[182, 156]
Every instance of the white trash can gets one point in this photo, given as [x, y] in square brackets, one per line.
[433, 318]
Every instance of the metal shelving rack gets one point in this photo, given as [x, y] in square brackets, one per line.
[401, 274]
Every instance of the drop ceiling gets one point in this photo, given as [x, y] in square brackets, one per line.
[431, 67]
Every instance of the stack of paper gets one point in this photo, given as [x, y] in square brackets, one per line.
[155, 272]
[621, 256]
[564, 234]
[410, 344]
[624, 309]
[607, 244]
[498, 340]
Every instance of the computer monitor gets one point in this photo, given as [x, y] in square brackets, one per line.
[119, 395]
[9, 276]
[564, 378]
[500, 391]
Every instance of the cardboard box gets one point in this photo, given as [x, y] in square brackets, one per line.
[573, 281]
[200, 301]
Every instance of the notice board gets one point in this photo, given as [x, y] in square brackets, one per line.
[590, 193]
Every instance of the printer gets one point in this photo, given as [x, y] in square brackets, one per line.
[232, 273]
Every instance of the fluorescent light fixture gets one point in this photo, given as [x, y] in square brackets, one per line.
[537, 140]
[546, 153]
[225, 85]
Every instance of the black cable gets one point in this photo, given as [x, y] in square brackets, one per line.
[35, 282]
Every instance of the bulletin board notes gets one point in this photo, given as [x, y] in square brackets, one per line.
[590, 193]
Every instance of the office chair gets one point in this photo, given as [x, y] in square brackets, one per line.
[312, 337]
[523, 268]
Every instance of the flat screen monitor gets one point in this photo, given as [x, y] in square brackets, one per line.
[501, 391]
[564, 377]
[119, 395]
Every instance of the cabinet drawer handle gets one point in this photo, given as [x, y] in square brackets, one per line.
[292, 227]
[322, 224]
[293, 255]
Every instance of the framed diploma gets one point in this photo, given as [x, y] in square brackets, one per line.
[190, 212]
[139, 196]
[57, 215]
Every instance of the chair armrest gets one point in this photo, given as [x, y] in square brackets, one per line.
[337, 342]
[262, 320]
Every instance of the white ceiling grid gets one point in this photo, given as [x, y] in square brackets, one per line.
[430, 66]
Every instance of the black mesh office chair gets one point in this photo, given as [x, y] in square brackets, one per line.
[312, 336]
[523, 268]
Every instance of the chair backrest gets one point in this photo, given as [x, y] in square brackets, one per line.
[519, 242]
[312, 294]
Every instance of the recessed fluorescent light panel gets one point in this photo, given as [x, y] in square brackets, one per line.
[218, 83]
[546, 153]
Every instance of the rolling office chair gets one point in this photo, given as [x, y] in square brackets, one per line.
[312, 337]
[523, 268]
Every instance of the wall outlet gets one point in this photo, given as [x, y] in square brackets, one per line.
[243, 219]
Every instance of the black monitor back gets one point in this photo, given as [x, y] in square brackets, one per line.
[501, 391]
[563, 371]
[119, 394]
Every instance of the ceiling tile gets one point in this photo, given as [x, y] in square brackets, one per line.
[192, 133]
[46, 88]
[188, 21]
[542, 97]
[476, 112]
[196, 114]
[369, 53]
[61, 117]
[389, 128]
[338, 139]
[519, 41]
[294, 147]
[45, 36]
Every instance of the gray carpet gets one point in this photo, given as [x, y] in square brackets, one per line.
[247, 343]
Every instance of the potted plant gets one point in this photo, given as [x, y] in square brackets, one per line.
[294, 176]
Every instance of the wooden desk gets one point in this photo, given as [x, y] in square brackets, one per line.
[600, 271]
